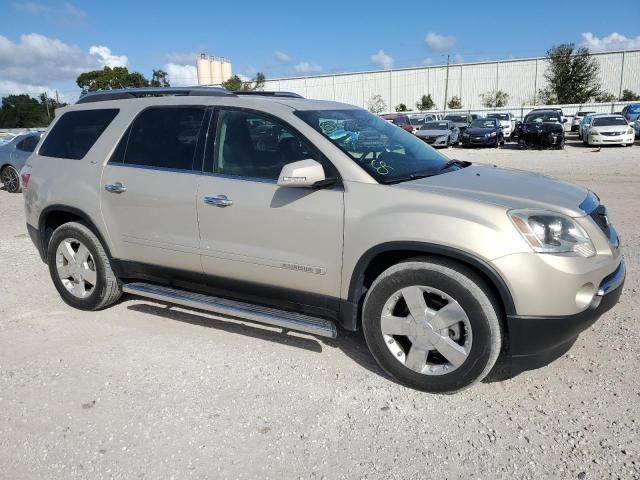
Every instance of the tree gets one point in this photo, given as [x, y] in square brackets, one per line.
[425, 103]
[401, 107]
[604, 97]
[24, 111]
[109, 78]
[235, 83]
[376, 104]
[572, 76]
[159, 79]
[629, 96]
[495, 98]
[455, 103]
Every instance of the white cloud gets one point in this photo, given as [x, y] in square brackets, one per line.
[36, 59]
[65, 13]
[181, 75]
[439, 43]
[106, 58]
[615, 41]
[382, 60]
[306, 67]
[282, 57]
[9, 87]
[182, 58]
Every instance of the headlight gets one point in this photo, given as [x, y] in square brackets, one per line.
[492, 134]
[594, 132]
[551, 232]
[630, 131]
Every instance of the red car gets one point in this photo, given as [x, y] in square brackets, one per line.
[400, 120]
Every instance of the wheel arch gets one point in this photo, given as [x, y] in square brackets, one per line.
[55, 215]
[377, 259]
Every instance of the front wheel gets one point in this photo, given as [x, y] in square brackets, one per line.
[80, 268]
[432, 325]
[11, 179]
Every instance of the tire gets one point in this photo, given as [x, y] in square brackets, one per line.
[11, 179]
[92, 274]
[448, 142]
[479, 329]
[560, 146]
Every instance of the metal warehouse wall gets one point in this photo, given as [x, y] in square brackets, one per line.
[521, 79]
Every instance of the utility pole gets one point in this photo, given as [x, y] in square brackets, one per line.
[46, 103]
[446, 85]
[57, 99]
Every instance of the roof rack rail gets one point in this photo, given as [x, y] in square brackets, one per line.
[261, 93]
[126, 93]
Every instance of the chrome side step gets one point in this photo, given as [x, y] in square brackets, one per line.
[232, 308]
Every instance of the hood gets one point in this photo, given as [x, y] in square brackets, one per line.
[432, 133]
[505, 187]
[611, 128]
[480, 131]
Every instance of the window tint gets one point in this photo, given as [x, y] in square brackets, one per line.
[75, 133]
[29, 143]
[250, 145]
[164, 138]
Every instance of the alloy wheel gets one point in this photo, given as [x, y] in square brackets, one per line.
[76, 267]
[10, 179]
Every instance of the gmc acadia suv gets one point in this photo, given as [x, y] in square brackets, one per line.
[305, 214]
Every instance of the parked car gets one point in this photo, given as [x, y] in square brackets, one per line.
[462, 121]
[439, 133]
[585, 122]
[507, 121]
[563, 120]
[609, 130]
[13, 156]
[577, 118]
[631, 112]
[399, 120]
[636, 127]
[484, 131]
[418, 121]
[444, 264]
[541, 128]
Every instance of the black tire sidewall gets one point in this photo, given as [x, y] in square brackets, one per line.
[465, 375]
[92, 301]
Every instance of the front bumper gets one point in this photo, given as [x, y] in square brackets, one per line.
[479, 140]
[535, 341]
[612, 140]
[435, 142]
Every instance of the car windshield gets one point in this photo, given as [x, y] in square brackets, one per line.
[483, 123]
[609, 121]
[499, 116]
[417, 121]
[542, 117]
[456, 118]
[435, 126]
[389, 154]
[634, 109]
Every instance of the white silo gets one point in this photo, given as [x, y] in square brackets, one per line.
[226, 70]
[216, 71]
[204, 70]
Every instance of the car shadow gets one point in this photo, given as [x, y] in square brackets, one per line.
[352, 344]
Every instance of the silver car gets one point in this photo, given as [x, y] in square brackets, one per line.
[441, 133]
[13, 156]
[318, 216]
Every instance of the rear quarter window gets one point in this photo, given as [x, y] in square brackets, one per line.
[76, 132]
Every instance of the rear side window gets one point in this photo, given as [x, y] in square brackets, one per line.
[28, 144]
[76, 132]
[162, 138]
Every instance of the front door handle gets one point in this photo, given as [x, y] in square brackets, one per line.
[219, 201]
[115, 188]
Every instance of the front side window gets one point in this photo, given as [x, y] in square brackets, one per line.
[76, 132]
[389, 154]
[28, 144]
[251, 145]
[162, 137]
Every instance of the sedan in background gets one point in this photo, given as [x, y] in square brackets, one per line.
[483, 132]
[542, 129]
[13, 156]
[439, 133]
[462, 121]
[417, 121]
[631, 112]
[507, 121]
[636, 127]
[577, 118]
[609, 130]
[399, 120]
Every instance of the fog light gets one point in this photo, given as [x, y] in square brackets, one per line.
[584, 297]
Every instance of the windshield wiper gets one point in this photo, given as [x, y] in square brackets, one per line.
[457, 163]
[411, 176]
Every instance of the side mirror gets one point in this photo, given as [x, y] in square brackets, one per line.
[303, 173]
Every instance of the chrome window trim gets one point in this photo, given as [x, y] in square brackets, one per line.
[160, 169]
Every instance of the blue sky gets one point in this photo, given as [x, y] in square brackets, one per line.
[43, 44]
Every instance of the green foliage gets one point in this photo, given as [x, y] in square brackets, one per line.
[109, 78]
[572, 76]
[376, 104]
[159, 79]
[235, 83]
[401, 107]
[24, 111]
[425, 103]
[629, 96]
[455, 103]
[604, 97]
[495, 98]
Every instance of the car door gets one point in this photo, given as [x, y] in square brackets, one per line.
[255, 233]
[148, 189]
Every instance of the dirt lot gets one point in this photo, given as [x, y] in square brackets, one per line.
[144, 391]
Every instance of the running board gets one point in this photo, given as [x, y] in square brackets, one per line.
[232, 308]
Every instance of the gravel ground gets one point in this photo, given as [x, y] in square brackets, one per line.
[144, 391]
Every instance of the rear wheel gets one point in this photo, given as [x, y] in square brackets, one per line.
[80, 268]
[431, 325]
[11, 179]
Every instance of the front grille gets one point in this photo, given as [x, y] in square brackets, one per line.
[599, 216]
[611, 134]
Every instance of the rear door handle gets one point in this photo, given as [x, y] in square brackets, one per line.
[219, 201]
[115, 188]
